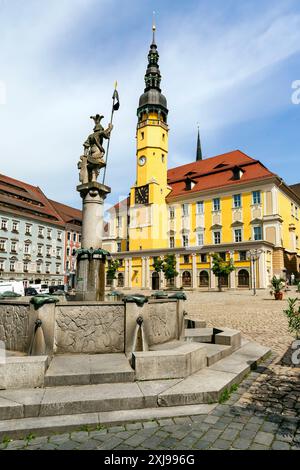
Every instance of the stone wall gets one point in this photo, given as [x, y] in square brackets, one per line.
[89, 328]
[15, 325]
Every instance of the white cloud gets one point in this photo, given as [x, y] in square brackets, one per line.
[213, 73]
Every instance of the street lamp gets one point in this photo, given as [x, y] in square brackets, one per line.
[253, 256]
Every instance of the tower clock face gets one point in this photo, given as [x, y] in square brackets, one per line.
[142, 195]
[142, 161]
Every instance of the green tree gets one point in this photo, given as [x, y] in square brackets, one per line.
[167, 265]
[112, 269]
[293, 316]
[221, 268]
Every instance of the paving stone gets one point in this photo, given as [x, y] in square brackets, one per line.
[110, 443]
[234, 425]
[269, 427]
[165, 422]
[212, 434]
[183, 420]
[152, 443]
[169, 443]
[78, 436]
[116, 428]
[258, 447]
[150, 424]
[202, 445]
[58, 439]
[253, 427]
[246, 434]
[48, 446]
[264, 438]
[242, 444]
[211, 419]
[133, 426]
[279, 445]
[98, 435]
[221, 444]
[16, 445]
[89, 445]
[198, 418]
[135, 440]
[229, 434]
[69, 445]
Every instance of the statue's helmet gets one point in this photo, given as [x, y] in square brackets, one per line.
[97, 120]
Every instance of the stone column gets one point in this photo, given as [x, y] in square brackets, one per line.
[129, 273]
[143, 273]
[232, 276]
[90, 282]
[194, 270]
[212, 276]
[177, 279]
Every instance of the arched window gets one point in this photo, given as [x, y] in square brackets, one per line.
[120, 280]
[186, 279]
[243, 278]
[203, 279]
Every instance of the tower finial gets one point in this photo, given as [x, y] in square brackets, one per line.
[199, 150]
[153, 27]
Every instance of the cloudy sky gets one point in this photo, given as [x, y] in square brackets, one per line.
[228, 65]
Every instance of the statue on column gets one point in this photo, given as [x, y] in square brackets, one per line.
[92, 160]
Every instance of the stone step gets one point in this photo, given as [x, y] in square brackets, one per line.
[45, 426]
[207, 385]
[70, 369]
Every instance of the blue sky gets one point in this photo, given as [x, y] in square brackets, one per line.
[228, 65]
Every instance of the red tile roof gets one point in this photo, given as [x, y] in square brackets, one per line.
[67, 213]
[215, 172]
[22, 199]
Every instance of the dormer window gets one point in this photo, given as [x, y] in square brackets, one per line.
[189, 184]
[237, 173]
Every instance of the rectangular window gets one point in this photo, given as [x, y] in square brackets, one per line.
[203, 258]
[28, 228]
[49, 233]
[74, 237]
[171, 212]
[200, 207]
[238, 235]
[69, 236]
[59, 236]
[15, 226]
[200, 239]
[4, 223]
[292, 209]
[185, 240]
[48, 268]
[172, 242]
[41, 232]
[119, 247]
[58, 269]
[256, 197]
[223, 255]
[186, 259]
[119, 221]
[40, 250]
[68, 265]
[58, 252]
[257, 233]
[2, 245]
[216, 204]
[27, 248]
[1, 265]
[25, 266]
[79, 238]
[39, 268]
[12, 265]
[68, 251]
[237, 201]
[48, 251]
[185, 210]
[217, 238]
[13, 246]
[243, 255]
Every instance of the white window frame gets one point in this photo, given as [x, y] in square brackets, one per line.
[3, 245]
[215, 232]
[4, 224]
[13, 246]
[237, 201]
[185, 209]
[172, 242]
[171, 212]
[254, 196]
[261, 231]
[185, 240]
[27, 249]
[199, 207]
[216, 205]
[234, 235]
[200, 235]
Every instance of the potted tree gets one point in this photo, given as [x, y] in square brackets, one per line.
[277, 284]
[293, 316]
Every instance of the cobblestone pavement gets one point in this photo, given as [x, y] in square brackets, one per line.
[264, 413]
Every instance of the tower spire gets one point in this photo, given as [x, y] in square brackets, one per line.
[199, 150]
[153, 27]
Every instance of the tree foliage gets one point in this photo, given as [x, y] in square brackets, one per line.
[221, 267]
[112, 269]
[293, 316]
[167, 265]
